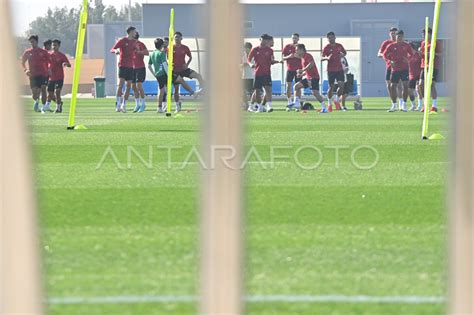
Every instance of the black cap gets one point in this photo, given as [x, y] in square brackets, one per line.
[400, 32]
[393, 29]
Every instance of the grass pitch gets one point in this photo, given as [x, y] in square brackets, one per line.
[128, 227]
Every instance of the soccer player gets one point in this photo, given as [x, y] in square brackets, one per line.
[158, 66]
[414, 77]
[139, 74]
[181, 67]
[126, 48]
[247, 74]
[37, 71]
[48, 45]
[263, 58]
[58, 61]
[437, 61]
[348, 84]
[292, 65]
[392, 39]
[399, 54]
[311, 78]
[332, 53]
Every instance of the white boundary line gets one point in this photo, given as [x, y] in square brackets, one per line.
[132, 299]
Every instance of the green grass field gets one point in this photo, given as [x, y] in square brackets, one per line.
[124, 228]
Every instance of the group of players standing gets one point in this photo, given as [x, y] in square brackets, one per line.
[132, 70]
[301, 69]
[46, 73]
[405, 75]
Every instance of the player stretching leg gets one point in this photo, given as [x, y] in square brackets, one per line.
[311, 80]
[333, 53]
[139, 75]
[292, 65]
[126, 48]
[158, 66]
[399, 54]
[181, 67]
[37, 71]
[58, 61]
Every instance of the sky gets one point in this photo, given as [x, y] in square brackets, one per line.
[25, 11]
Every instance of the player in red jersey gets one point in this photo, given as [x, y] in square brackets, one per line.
[139, 74]
[126, 48]
[388, 73]
[262, 59]
[332, 53]
[37, 71]
[399, 54]
[437, 63]
[414, 77]
[181, 67]
[311, 78]
[292, 65]
[58, 61]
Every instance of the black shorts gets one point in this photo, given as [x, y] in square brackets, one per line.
[314, 84]
[248, 85]
[55, 85]
[337, 76]
[398, 76]
[412, 84]
[38, 81]
[291, 76]
[348, 88]
[139, 75]
[388, 74]
[126, 73]
[185, 73]
[435, 75]
[163, 80]
[261, 81]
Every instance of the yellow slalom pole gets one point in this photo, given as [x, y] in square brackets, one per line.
[81, 34]
[170, 65]
[425, 83]
[429, 78]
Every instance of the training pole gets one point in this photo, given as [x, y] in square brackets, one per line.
[424, 133]
[461, 186]
[170, 65]
[20, 284]
[429, 78]
[221, 203]
[81, 34]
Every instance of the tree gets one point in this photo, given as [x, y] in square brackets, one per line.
[62, 23]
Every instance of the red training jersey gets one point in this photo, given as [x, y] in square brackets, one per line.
[138, 59]
[311, 73]
[294, 63]
[399, 54]
[334, 51]
[179, 57]
[415, 66]
[127, 51]
[38, 61]
[383, 47]
[56, 65]
[438, 50]
[263, 57]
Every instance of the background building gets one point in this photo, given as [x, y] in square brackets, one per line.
[368, 22]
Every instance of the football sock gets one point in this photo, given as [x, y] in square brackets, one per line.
[435, 103]
[269, 104]
[119, 101]
[297, 101]
[323, 105]
[330, 101]
[420, 102]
